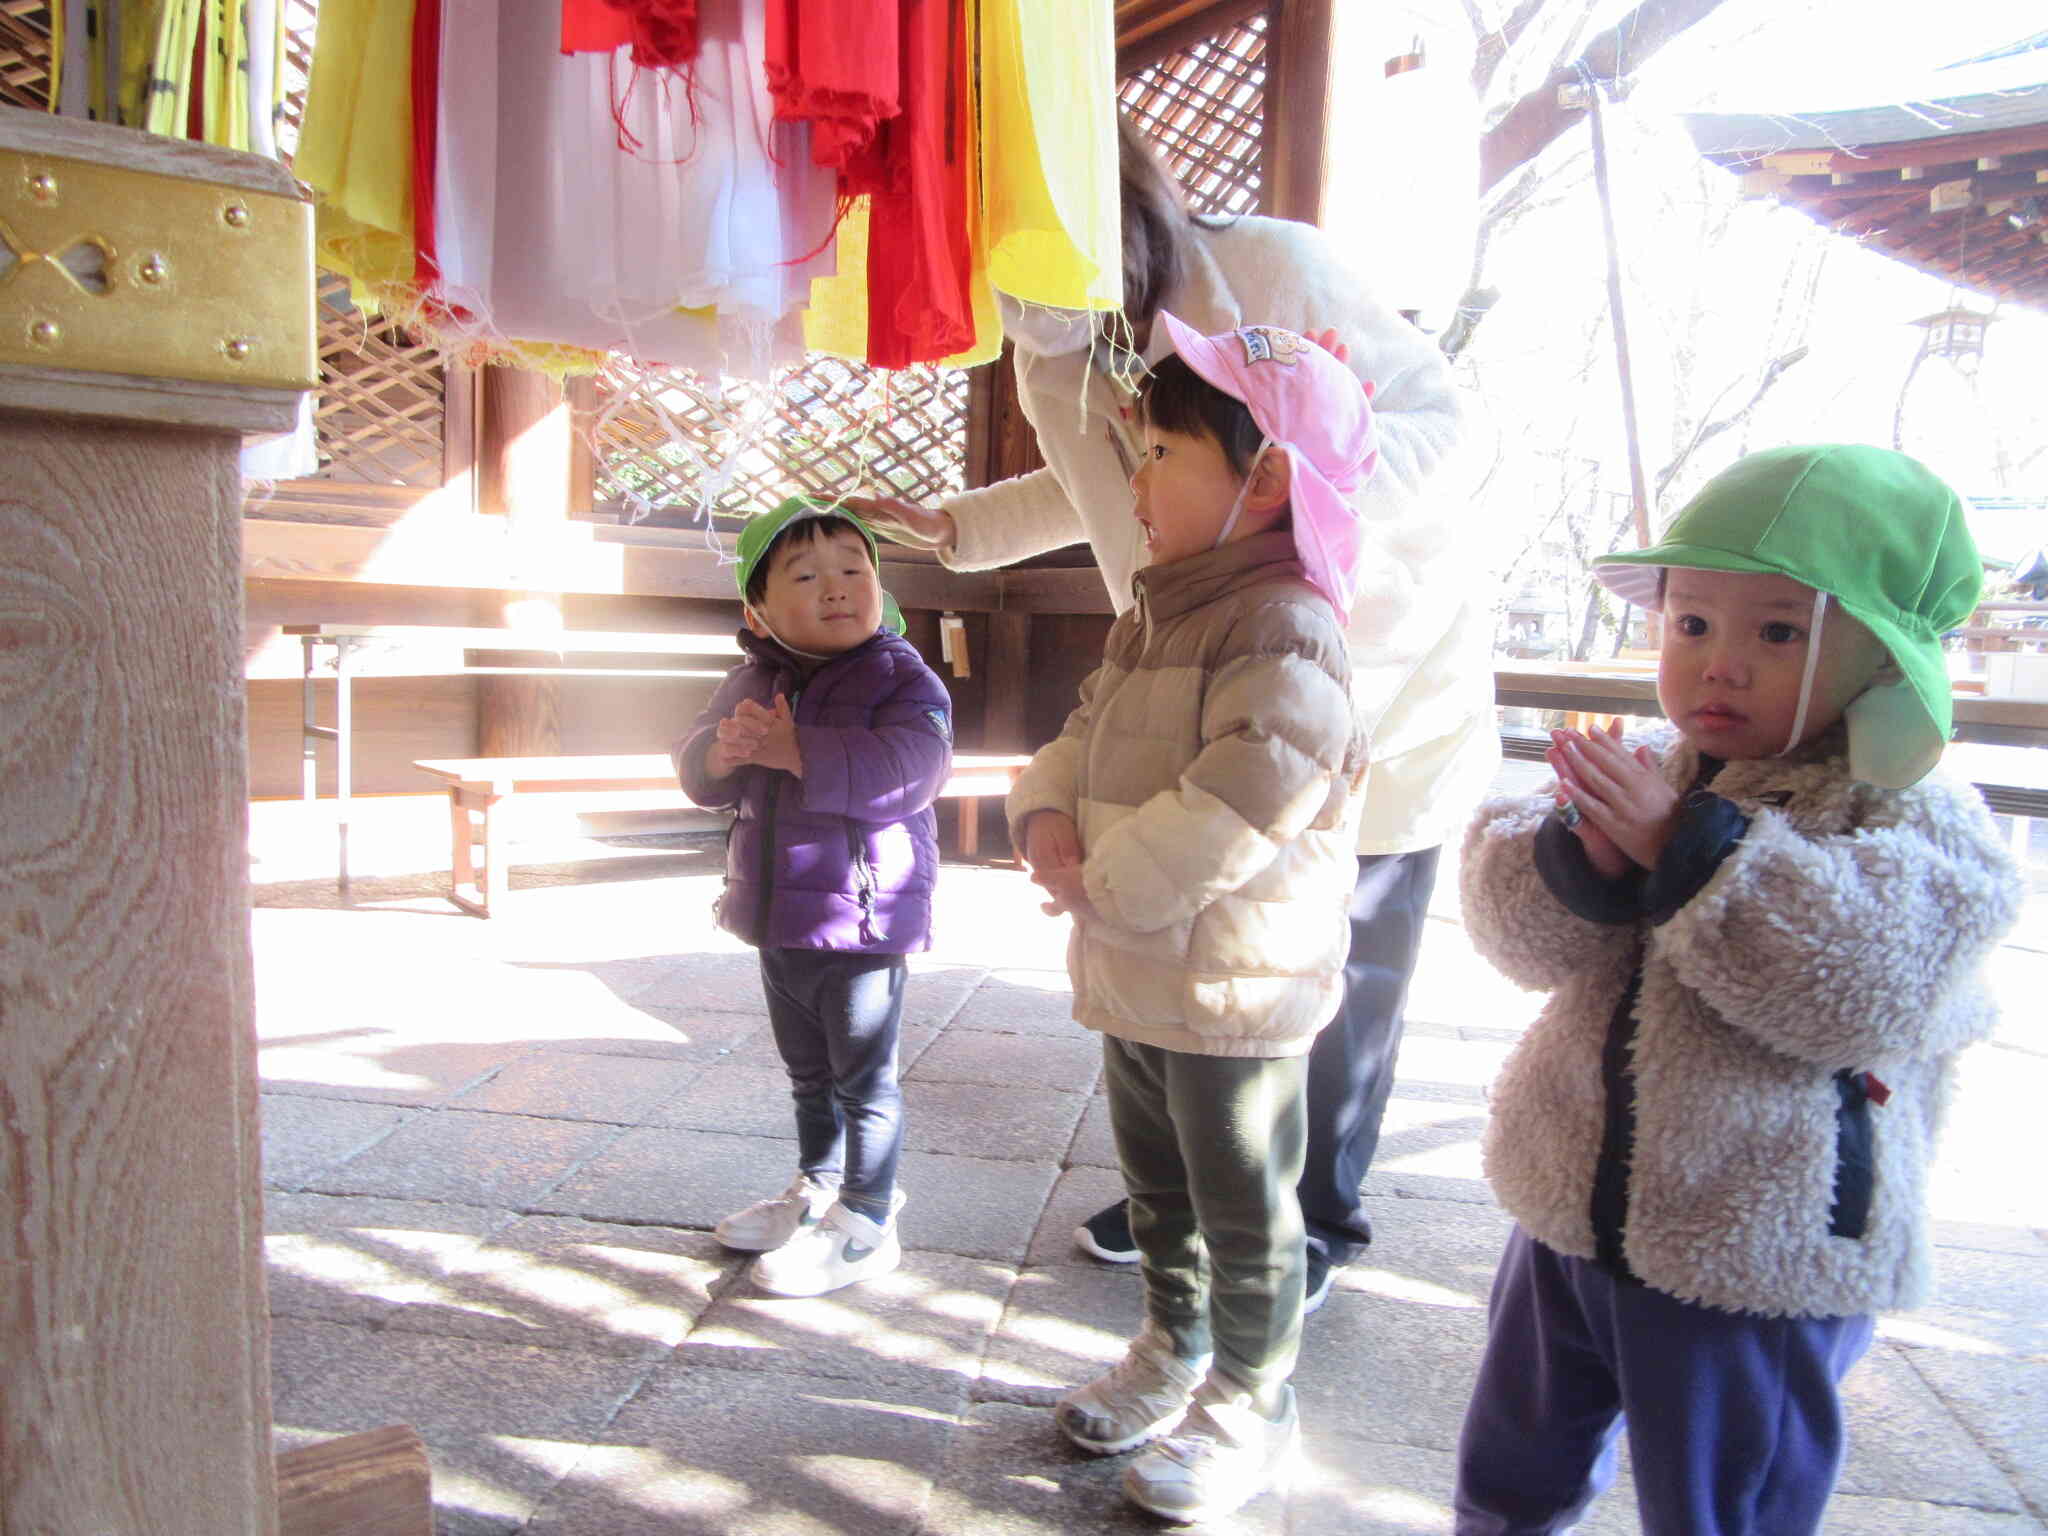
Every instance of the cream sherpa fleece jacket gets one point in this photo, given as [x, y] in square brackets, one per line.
[1844, 932]
[1210, 768]
[1421, 632]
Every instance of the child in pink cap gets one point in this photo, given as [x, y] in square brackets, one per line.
[1200, 808]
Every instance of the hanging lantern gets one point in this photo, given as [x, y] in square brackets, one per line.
[1955, 334]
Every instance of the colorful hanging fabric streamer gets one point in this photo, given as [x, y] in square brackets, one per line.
[838, 68]
[1048, 151]
[698, 249]
[661, 33]
[356, 148]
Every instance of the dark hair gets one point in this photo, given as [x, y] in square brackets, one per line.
[1155, 225]
[1175, 398]
[802, 530]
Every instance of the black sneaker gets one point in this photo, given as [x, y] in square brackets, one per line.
[1107, 1235]
[1320, 1273]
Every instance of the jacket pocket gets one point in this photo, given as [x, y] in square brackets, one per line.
[1855, 1157]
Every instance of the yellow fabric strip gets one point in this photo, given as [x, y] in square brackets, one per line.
[1048, 120]
[356, 146]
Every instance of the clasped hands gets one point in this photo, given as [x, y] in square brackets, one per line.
[1052, 851]
[1626, 810]
[755, 733]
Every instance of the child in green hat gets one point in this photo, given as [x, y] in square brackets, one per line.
[829, 743]
[1761, 928]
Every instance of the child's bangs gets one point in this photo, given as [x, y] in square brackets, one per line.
[1174, 398]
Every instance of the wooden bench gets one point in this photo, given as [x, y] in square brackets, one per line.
[478, 785]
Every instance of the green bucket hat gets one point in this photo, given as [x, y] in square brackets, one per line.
[1880, 534]
[761, 531]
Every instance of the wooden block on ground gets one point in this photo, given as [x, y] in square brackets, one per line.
[373, 1484]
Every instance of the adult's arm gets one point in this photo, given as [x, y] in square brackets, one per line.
[1009, 521]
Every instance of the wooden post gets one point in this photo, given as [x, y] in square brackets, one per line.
[525, 468]
[1297, 116]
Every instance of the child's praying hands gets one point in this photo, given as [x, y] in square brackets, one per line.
[1626, 810]
[753, 733]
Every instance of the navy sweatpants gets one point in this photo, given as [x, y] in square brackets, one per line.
[835, 1016]
[1351, 1064]
[1734, 1422]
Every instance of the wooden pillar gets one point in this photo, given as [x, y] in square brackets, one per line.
[525, 469]
[1297, 113]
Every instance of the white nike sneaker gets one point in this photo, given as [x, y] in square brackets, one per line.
[768, 1224]
[1141, 1398]
[1224, 1454]
[844, 1247]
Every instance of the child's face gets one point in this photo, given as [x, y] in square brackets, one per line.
[1734, 653]
[822, 594]
[1185, 487]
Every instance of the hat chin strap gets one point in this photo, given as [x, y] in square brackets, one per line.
[1820, 608]
[1237, 505]
[762, 619]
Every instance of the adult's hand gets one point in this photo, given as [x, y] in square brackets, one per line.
[905, 521]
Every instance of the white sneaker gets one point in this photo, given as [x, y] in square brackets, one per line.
[1142, 1397]
[1224, 1454]
[842, 1248]
[768, 1224]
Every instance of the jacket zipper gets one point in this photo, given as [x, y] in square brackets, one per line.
[864, 877]
[768, 844]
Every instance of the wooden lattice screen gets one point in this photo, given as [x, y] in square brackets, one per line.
[24, 53]
[1204, 108]
[833, 427]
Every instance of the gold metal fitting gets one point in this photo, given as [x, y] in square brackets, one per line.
[46, 333]
[238, 348]
[153, 270]
[237, 215]
[43, 187]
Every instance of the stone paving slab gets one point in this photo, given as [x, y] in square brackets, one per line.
[560, 1283]
[470, 1157]
[743, 1453]
[353, 1259]
[578, 1085]
[1018, 1125]
[1010, 1061]
[676, 1178]
[304, 1136]
[925, 1326]
[502, 1424]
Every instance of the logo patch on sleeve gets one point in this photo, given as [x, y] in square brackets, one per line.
[941, 722]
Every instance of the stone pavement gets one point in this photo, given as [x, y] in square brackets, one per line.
[494, 1150]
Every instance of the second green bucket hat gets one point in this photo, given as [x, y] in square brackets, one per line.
[1877, 531]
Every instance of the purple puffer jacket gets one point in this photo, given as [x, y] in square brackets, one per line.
[845, 857]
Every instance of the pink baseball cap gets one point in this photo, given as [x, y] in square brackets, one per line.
[1318, 411]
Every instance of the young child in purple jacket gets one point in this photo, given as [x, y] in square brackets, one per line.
[830, 742]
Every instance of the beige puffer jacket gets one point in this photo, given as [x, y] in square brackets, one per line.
[1211, 768]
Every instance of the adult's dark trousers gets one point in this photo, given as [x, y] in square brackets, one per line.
[1351, 1065]
[836, 1016]
[1734, 1420]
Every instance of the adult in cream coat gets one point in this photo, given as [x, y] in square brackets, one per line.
[1420, 635]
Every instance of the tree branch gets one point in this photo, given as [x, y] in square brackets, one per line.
[1537, 119]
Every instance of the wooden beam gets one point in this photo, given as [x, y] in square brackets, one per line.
[1297, 114]
[1150, 30]
[470, 552]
